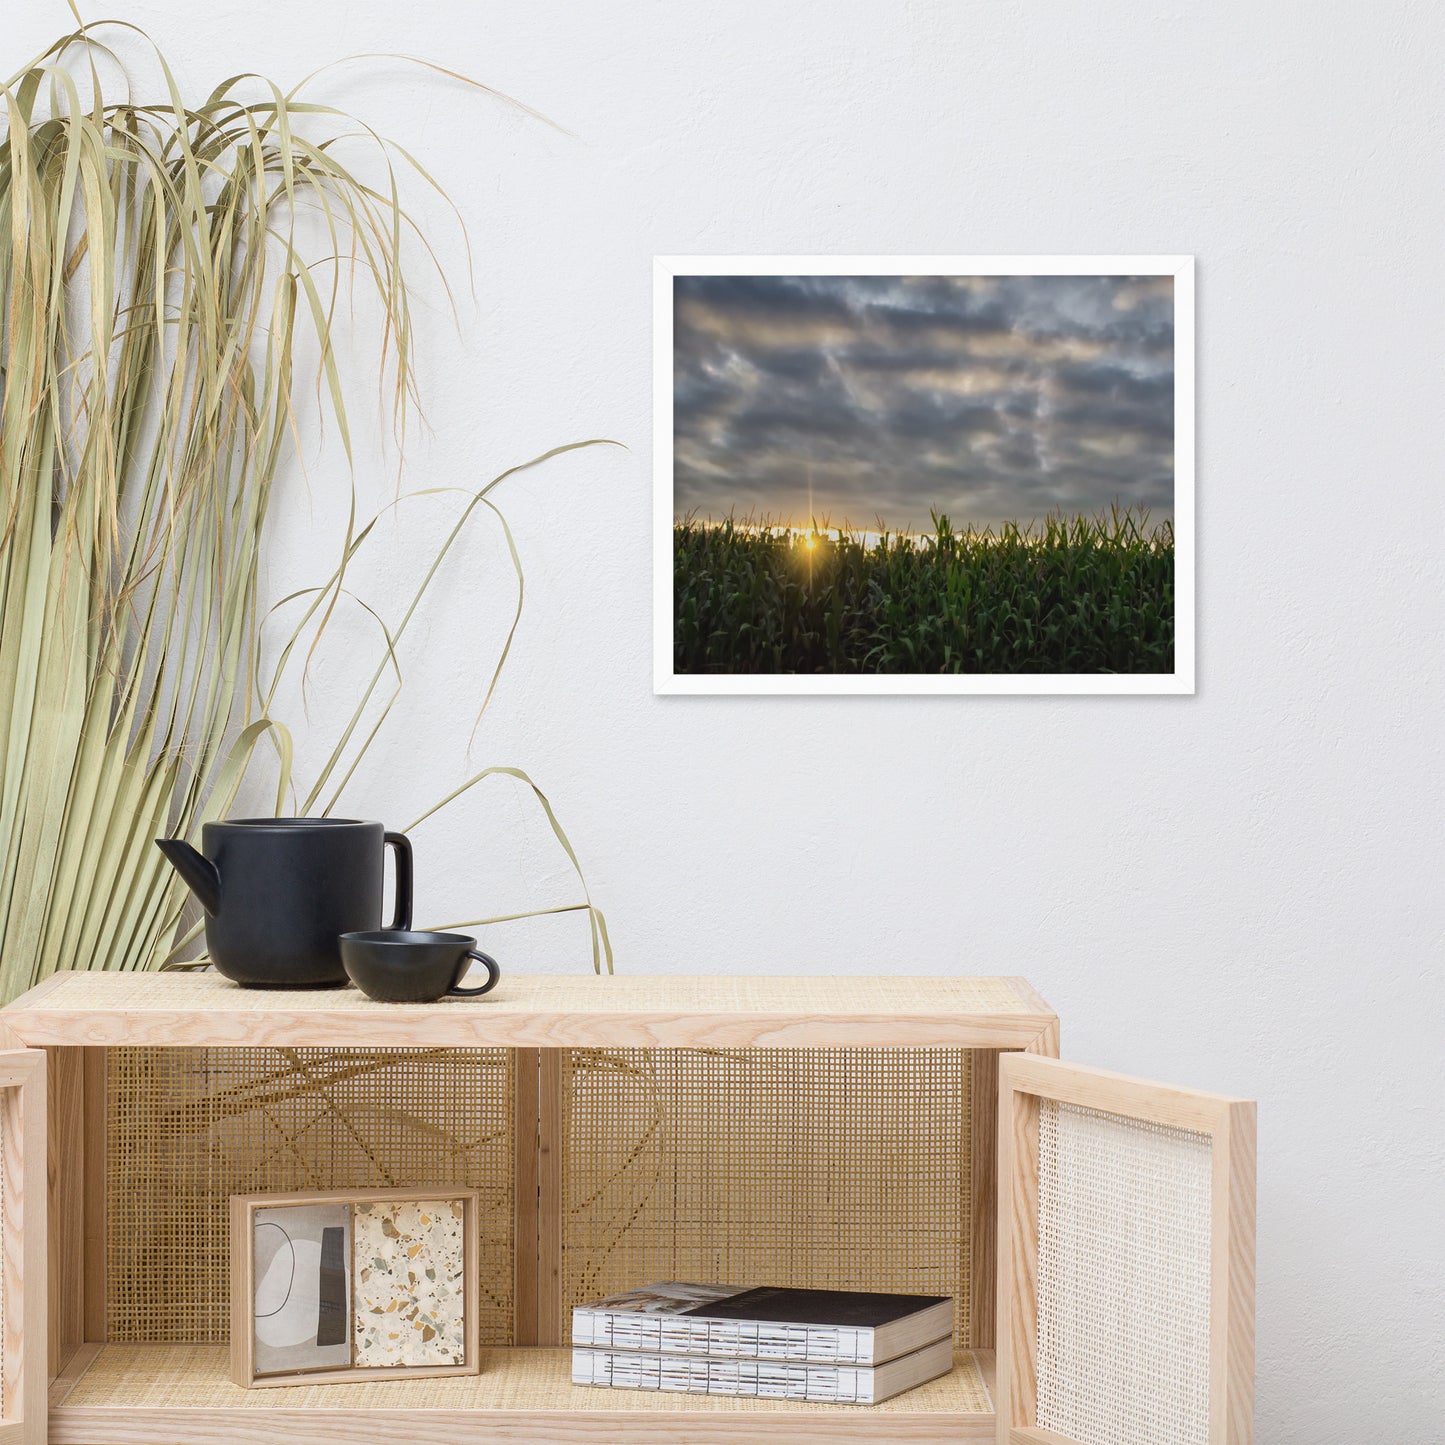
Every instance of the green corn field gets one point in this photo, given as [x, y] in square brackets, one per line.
[1074, 595]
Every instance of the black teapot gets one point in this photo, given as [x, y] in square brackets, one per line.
[278, 892]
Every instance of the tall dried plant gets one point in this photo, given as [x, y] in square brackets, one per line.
[156, 293]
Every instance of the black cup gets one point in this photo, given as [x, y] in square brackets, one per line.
[393, 965]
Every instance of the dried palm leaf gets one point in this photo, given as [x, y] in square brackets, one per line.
[156, 292]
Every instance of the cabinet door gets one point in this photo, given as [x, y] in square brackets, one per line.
[23, 1260]
[1126, 1260]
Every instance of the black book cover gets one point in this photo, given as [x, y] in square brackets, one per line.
[817, 1307]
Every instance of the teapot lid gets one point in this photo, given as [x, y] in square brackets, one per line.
[289, 823]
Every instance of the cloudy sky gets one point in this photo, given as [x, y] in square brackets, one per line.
[990, 398]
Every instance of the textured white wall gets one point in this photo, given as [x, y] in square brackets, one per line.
[1239, 890]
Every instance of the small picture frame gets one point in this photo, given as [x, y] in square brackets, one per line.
[354, 1285]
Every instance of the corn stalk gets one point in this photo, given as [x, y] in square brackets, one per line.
[156, 290]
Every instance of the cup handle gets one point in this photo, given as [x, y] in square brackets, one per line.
[494, 972]
[399, 841]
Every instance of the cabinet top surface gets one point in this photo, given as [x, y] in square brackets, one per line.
[537, 1011]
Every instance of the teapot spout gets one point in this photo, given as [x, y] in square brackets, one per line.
[199, 873]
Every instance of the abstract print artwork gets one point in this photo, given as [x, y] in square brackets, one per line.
[303, 1268]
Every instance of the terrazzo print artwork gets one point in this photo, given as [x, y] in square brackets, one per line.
[409, 1290]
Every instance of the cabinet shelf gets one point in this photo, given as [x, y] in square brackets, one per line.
[600, 1119]
[538, 1012]
[181, 1395]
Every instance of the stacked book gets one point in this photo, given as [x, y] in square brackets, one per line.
[827, 1346]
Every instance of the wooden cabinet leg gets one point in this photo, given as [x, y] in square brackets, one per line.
[525, 1108]
[94, 1070]
[983, 1231]
[551, 1327]
[537, 1179]
[65, 1087]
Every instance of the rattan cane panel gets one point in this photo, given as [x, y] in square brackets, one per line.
[136, 1377]
[825, 1168]
[1123, 1279]
[187, 1128]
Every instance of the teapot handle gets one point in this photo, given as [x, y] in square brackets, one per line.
[402, 844]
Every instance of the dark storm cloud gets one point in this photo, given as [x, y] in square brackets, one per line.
[989, 398]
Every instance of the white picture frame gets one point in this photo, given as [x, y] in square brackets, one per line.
[668, 682]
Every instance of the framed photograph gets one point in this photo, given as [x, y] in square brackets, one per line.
[924, 474]
[358, 1285]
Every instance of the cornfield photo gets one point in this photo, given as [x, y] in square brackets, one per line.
[879, 482]
[1079, 595]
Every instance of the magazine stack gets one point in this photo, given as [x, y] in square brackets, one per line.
[837, 1347]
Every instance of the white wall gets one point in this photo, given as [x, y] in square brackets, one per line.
[1239, 890]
